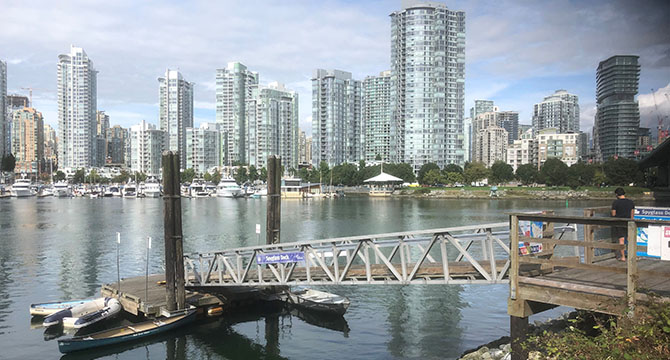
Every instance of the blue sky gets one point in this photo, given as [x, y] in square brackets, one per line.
[517, 52]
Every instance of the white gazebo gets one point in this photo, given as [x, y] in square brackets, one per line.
[382, 184]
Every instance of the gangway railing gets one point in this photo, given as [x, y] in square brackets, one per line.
[456, 255]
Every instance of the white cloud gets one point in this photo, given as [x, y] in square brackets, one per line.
[654, 105]
[204, 105]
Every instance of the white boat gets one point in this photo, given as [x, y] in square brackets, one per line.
[198, 189]
[152, 188]
[130, 191]
[80, 310]
[21, 188]
[108, 192]
[228, 188]
[46, 191]
[111, 307]
[316, 300]
[45, 309]
[62, 189]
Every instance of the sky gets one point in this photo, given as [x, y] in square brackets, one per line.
[517, 52]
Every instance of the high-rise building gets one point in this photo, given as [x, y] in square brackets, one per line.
[77, 105]
[467, 139]
[202, 149]
[50, 144]
[176, 111]
[643, 144]
[381, 128]
[3, 120]
[234, 85]
[509, 120]
[583, 146]
[272, 125]
[102, 124]
[13, 102]
[304, 149]
[428, 68]
[618, 115]
[491, 145]
[559, 110]
[117, 139]
[146, 145]
[28, 140]
[553, 144]
[481, 106]
[337, 128]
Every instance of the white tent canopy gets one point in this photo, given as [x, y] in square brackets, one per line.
[383, 178]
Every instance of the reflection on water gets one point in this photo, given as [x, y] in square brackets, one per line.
[62, 249]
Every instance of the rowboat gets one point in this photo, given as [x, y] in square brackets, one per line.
[316, 300]
[45, 309]
[126, 333]
[79, 310]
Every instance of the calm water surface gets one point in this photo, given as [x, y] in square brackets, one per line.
[59, 249]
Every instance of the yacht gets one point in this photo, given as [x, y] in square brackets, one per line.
[229, 188]
[46, 191]
[152, 188]
[130, 191]
[21, 188]
[109, 191]
[198, 189]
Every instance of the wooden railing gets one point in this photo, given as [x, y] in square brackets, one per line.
[549, 260]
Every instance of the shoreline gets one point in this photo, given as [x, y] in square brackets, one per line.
[519, 194]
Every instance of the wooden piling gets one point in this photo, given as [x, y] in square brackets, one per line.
[274, 201]
[174, 261]
[518, 328]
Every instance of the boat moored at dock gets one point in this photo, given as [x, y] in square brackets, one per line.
[229, 188]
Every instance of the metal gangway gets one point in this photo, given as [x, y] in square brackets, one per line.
[456, 255]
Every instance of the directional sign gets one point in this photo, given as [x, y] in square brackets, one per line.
[291, 257]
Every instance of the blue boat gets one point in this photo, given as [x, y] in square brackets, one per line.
[126, 333]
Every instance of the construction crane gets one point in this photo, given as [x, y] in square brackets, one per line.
[662, 133]
[30, 92]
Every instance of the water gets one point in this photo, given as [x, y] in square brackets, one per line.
[58, 249]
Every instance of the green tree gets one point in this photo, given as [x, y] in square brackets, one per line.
[253, 173]
[241, 175]
[455, 178]
[401, 170]
[59, 176]
[378, 157]
[8, 163]
[425, 168]
[345, 174]
[264, 174]
[207, 176]
[79, 176]
[140, 176]
[216, 177]
[93, 177]
[621, 171]
[452, 168]
[553, 172]
[122, 177]
[187, 175]
[434, 177]
[580, 174]
[475, 171]
[501, 173]
[527, 174]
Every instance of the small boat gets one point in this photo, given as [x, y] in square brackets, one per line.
[62, 189]
[45, 309]
[112, 307]
[127, 333]
[228, 188]
[130, 191]
[316, 300]
[78, 311]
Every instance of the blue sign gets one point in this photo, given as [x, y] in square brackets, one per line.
[291, 257]
[643, 238]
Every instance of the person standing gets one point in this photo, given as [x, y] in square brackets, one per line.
[625, 209]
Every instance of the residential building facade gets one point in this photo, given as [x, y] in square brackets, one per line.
[272, 125]
[491, 145]
[553, 144]
[13, 102]
[234, 85]
[117, 140]
[337, 129]
[304, 149]
[50, 144]
[146, 146]
[522, 151]
[3, 121]
[467, 139]
[618, 115]
[77, 105]
[202, 149]
[175, 111]
[559, 110]
[509, 120]
[428, 70]
[381, 129]
[481, 106]
[28, 141]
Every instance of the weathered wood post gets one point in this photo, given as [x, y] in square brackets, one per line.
[274, 201]
[518, 326]
[174, 249]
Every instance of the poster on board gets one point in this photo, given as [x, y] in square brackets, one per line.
[530, 229]
[653, 237]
